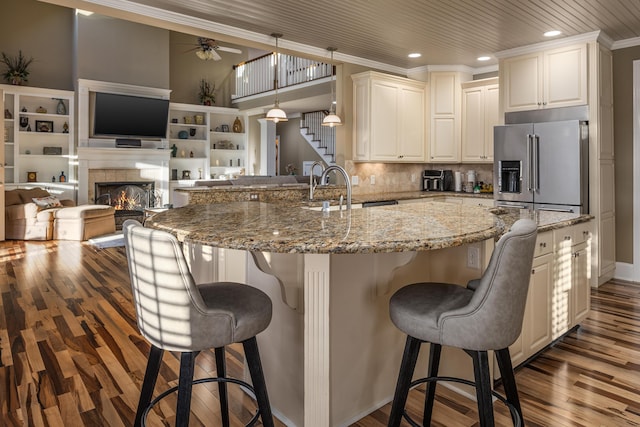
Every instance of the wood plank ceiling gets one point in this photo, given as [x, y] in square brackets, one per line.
[445, 31]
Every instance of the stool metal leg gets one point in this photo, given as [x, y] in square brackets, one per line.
[408, 365]
[149, 382]
[508, 379]
[434, 364]
[221, 372]
[483, 387]
[257, 377]
[185, 384]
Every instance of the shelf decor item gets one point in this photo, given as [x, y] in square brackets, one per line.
[17, 68]
[32, 176]
[62, 178]
[206, 92]
[52, 151]
[44, 126]
[61, 108]
[225, 128]
[237, 125]
[7, 114]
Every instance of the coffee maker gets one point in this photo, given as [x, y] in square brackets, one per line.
[437, 180]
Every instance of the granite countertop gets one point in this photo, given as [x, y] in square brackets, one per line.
[287, 228]
[274, 227]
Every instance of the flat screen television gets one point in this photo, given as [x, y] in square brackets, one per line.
[126, 116]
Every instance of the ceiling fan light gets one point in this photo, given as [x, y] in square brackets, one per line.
[331, 120]
[204, 54]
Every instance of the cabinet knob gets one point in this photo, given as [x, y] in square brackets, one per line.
[533, 271]
[539, 103]
[567, 237]
[544, 103]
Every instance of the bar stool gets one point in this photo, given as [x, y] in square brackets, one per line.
[485, 315]
[174, 314]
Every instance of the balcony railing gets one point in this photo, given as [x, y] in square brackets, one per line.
[258, 75]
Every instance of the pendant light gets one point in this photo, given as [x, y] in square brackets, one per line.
[276, 114]
[332, 119]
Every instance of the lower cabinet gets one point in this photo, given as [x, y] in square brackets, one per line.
[536, 326]
[559, 295]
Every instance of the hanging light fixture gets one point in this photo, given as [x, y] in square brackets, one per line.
[332, 119]
[276, 114]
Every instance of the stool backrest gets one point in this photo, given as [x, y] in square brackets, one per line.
[168, 305]
[493, 318]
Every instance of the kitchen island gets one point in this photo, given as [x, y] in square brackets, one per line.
[331, 354]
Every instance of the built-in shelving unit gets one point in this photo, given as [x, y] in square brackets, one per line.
[206, 145]
[39, 139]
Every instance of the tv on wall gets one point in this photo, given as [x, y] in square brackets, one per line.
[126, 116]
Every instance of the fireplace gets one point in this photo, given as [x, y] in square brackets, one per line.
[129, 198]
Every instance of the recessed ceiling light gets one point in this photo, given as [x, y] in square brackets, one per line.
[552, 33]
[415, 55]
[484, 58]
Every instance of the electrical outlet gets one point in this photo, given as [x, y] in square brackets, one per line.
[372, 180]
[355, 180]
[253, 197]
[413, 177]
[473, 257]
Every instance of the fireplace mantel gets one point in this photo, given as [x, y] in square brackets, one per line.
[153, 165]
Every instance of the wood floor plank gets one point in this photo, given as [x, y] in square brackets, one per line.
[71, 355]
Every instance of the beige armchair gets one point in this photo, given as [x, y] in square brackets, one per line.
[24, 220]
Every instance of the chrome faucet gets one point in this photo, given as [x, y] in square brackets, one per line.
[325, 177]
[312, 183]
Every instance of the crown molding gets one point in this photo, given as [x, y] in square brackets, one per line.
[621, 44]
[552, 44]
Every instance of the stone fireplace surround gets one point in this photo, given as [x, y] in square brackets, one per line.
[121, 164]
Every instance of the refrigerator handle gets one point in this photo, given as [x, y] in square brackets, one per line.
[536, 161]
[529, 164]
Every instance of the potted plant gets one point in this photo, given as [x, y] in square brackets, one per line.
[207, 97]
[17, 68]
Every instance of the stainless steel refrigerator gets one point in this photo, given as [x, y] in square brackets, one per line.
[542, 165]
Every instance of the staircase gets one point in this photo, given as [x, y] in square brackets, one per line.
[321, 138]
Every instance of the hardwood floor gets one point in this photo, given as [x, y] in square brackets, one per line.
[70, 354]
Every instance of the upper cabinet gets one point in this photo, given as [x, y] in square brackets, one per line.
[548, 79]
[389, 116]
[445, 116]
[480, 113]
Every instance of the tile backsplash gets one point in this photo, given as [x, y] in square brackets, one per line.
[396, 177]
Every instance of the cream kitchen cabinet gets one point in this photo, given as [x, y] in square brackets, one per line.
[445, 115]
[480, 113]
[389, 116]
[571, 288]
[548, 79]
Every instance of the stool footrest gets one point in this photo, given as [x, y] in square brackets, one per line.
[515, 416]
[243, 384]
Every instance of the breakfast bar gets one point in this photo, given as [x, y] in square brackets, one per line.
[331, 354]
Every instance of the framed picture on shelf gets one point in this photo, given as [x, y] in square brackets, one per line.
[44, 126]
[225, 128]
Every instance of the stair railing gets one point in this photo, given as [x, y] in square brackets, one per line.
[257, 75]
[324, 136]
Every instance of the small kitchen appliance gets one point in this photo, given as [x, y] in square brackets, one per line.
[437, 180]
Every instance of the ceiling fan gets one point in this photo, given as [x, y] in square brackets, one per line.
[207, 49]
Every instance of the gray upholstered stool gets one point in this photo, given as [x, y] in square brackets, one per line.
[486, 315]
[176, 315]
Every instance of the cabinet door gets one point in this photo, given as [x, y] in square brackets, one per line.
[581, 287]
[562, 299]
[411, 146]
[491, 118]
[384, 123]
[473, 124]
[444, 144]
[522, 82]
[565, 77]
[539, 301]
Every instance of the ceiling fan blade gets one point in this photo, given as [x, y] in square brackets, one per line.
[228, 49]
[215, 55]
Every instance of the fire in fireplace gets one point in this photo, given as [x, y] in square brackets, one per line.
[128, 198]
